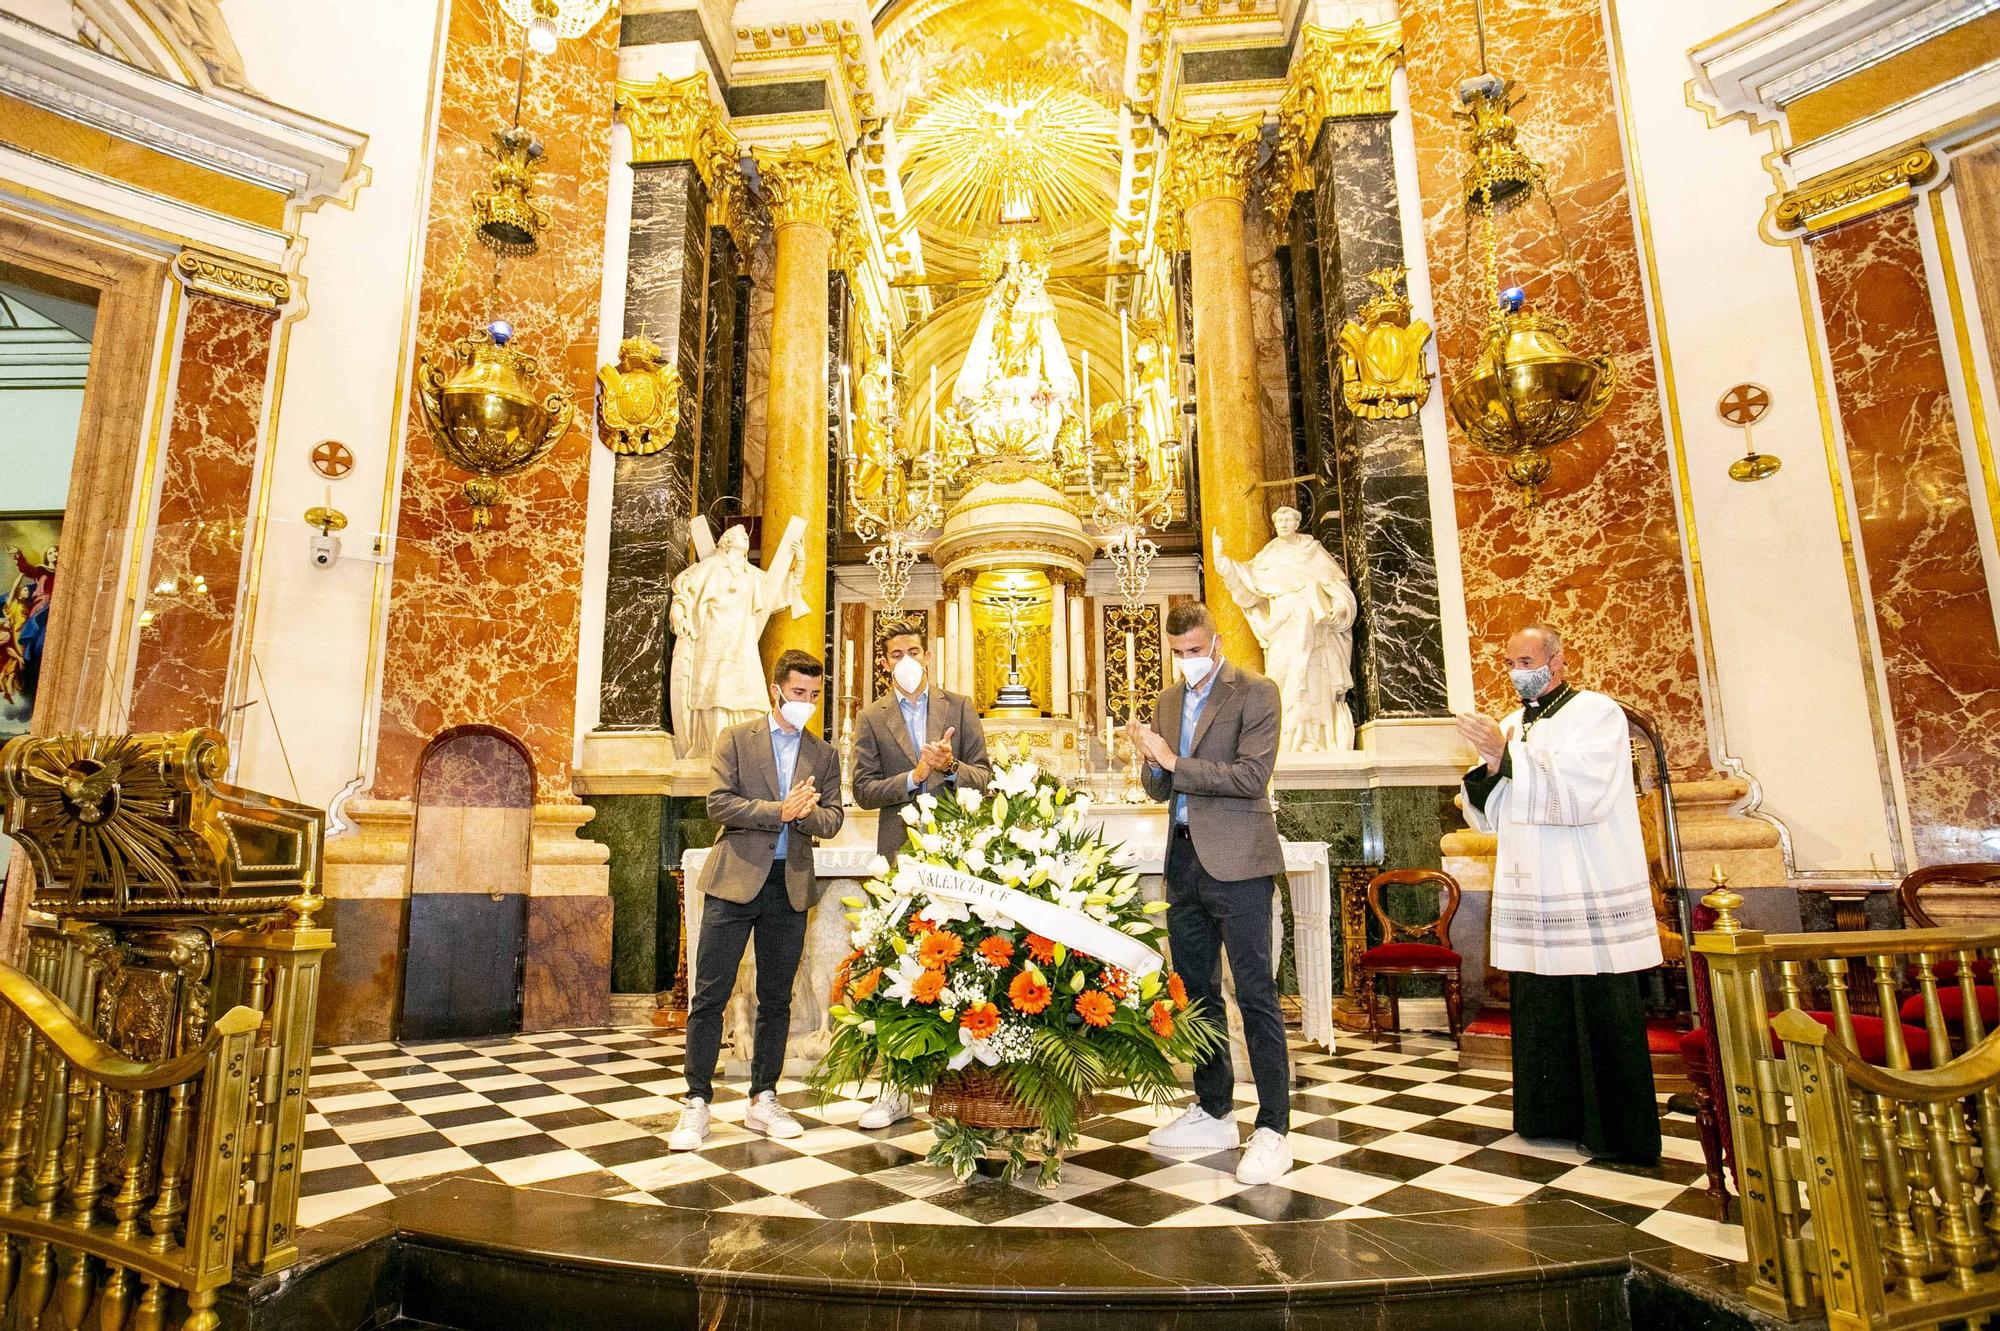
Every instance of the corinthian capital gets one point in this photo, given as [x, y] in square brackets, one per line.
[808, 184]
[1208, 159]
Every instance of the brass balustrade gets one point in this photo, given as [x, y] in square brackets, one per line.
[150, 1150]
[1865, 1188]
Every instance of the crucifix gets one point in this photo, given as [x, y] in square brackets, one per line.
[1014, 698]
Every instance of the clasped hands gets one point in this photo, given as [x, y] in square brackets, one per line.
[935, 757]
[1152, 744]
[1485, 737]
[800, 800]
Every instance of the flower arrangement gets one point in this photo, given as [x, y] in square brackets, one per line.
[952, 990]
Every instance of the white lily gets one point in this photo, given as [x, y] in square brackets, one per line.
[941, 912]
[930, 843]
[980, 1049]
[969, 800]
[908, 813]
[908, 968]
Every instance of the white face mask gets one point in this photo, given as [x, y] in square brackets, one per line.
[796, 714]
[1194, 669]
[1531, 684]
[908, 674]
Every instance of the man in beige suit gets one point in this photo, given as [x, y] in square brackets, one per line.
[776, 790]
[1209, 752]
[915, 738]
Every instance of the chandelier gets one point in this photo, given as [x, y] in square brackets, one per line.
[894, 514]
[1527, 391]
[548, 21]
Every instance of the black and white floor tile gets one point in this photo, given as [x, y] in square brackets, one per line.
[1385, 1127]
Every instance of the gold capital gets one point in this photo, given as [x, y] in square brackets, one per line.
[675, 120]
[1207, 159]
[1340, 73]
[232, 279]
[810, 184]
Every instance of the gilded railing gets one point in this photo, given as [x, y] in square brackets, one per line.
[1864, 1136]
[149, 1149]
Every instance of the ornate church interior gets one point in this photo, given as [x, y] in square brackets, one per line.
[509, 504]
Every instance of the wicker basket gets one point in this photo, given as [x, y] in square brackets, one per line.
[984, 1098]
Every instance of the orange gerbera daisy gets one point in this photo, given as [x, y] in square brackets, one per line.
[866, 985]
[1026, 995]
[1095, 1007]
[1163, 1019]
[939, 950]
[919, 925]
[928, 986]
[980, 1020]
[1114, 981]
[1043, 950]
[996, 950]
[1177, 989]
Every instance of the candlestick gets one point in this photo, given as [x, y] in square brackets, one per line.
[1131, 668]
[1086, 397]
[933, 411]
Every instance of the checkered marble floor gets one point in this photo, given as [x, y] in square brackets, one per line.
[1382, 1127]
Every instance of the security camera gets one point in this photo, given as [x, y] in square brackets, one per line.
[324, 548]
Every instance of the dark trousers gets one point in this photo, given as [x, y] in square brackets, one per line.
[1207, 917]
[780, 934]
[1582, 1071]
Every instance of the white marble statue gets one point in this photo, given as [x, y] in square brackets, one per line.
[1301, 608]
[720, 605]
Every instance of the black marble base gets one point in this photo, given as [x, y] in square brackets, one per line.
[471, 1254]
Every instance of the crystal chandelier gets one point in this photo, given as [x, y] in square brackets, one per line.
[548, 21]
[894, 515]
[1526, 390]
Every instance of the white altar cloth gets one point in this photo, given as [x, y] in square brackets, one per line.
[1140, 828]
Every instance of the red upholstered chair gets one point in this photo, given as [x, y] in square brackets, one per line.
[1909, 893]
[1402, 950]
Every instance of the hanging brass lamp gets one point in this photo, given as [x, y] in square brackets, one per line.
[488, 414]
[1527, 390]
[506, 218]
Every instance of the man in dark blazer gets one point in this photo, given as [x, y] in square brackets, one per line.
[917, 737]
[776, 790]
[1209, 754]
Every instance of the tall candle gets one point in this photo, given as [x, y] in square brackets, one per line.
[1086, 396]
[1131, 668]
[847, 691]
[933, 412]
[1125, 351]
[1107, 735]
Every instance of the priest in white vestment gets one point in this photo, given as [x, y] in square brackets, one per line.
[1572, 908]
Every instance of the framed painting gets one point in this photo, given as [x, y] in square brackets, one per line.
[28, 575]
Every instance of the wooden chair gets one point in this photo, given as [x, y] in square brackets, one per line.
[1910, 891]
[1401, 951]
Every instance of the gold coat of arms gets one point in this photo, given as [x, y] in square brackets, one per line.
[638, 399]
[1382, 371]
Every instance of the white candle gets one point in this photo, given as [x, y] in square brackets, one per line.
[933, 412]
[1131, 668]
[1086, 397]
[1125, 351]
[1107, 735]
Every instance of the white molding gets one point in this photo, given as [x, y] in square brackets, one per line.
[86, 201]
[238, 135]
[1808, 44]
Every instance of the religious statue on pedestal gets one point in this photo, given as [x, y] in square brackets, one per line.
[1016, 388]
[720, 605]
[1300, 606]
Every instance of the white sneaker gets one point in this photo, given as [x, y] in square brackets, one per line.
[890, 1107]
[1195, 1131]
[1266, 1159]
[765, 1115]
[692, 1130]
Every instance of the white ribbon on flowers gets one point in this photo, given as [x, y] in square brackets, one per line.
[1072, 928]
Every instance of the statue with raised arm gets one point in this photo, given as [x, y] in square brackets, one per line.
[1300, 606]
[720, 605]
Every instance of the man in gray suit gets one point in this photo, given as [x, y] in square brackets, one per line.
[1210, 751]
[915, 738]
[776, 791]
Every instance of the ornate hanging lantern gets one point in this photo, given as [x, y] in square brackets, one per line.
[506, 218]
[487, 413]
[1527, 390]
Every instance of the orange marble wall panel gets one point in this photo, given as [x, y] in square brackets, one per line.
[1601, 557]
[195, 570]
[1933, 609]
[483, 626]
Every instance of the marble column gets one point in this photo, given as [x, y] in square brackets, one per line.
[810, 199]
[963, 648]
[1348, 227]
[652, 495]
[1213, 161]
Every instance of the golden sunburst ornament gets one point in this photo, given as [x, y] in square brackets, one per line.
[98, 814]
[1012, 141]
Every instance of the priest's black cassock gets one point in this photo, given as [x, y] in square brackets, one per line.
[1573, 922]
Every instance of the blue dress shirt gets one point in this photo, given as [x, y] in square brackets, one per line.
[916, 720]
[1192, 703]
[785, 752]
